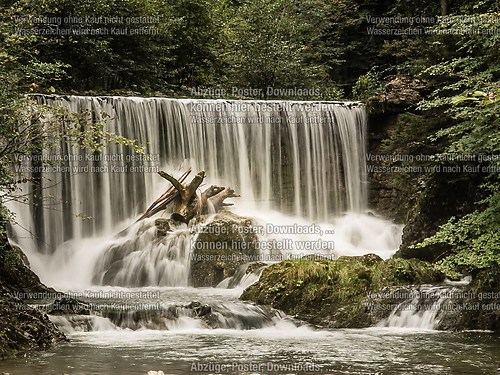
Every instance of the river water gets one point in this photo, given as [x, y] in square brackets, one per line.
[281, 346]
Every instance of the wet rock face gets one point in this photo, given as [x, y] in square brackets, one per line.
[222, 246]
[478, 307]
[169, 253]
[382, 192]
[15, 274]
[22, 328]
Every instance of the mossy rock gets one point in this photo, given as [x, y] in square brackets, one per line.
[479, 309]
[226, 243]
[334, 292]
[23, 328]
[15, 274]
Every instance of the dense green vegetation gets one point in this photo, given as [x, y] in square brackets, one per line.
[334, 49]
[457, 123]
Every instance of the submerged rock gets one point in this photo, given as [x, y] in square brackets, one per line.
[69, 306]
[234, 315]
[198, 308]
[162, 226]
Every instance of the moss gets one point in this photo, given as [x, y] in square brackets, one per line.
[398, 271]
[226, 243]
[334, 292]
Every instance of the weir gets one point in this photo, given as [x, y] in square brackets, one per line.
[298, 166]
[305, 159]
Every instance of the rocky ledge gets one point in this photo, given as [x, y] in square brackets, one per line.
[358, 292]
[337, 293]
[22, 327]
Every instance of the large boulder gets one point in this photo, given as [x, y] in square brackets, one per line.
[221, 247]
[336, 293]
[477, 305]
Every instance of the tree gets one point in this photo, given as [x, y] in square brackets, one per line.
[272, 44]
[27, 128]
[466, 91]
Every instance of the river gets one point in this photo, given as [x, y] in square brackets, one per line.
[281, 346]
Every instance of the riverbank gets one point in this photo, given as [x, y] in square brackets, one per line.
[22, 328]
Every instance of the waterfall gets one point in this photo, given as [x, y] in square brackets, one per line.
[174, 317]
[294, 162]
[422, 310]
[302, 158]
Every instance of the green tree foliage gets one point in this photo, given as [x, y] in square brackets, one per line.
[130, 45]
[466, 91]
[27, 128]
[368, 85]
[267, 44]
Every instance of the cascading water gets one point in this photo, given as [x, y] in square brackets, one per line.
[290, 161]
[421, 310]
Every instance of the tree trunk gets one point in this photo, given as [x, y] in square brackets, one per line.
[444, 8]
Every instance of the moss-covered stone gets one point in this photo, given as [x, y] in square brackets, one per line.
[334, 293]
[226, 243]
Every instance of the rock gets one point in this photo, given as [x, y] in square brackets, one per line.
[379, 304]
[162, 226]
[367, 259]
[421, 201]
[69, 306]
[432, 206]
[255, 266]
[478, 307]
[199, 309]
[226, 243]
[22, 328]
[20, 253]
[242, 271]
[16, 276]
[316, 258]
[403, 92]
[335, 293]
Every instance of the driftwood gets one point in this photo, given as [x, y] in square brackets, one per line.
[184, 202]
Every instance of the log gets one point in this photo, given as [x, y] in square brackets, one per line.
[183, 201]
[166, 198]
[218, 199]
[176, 184]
